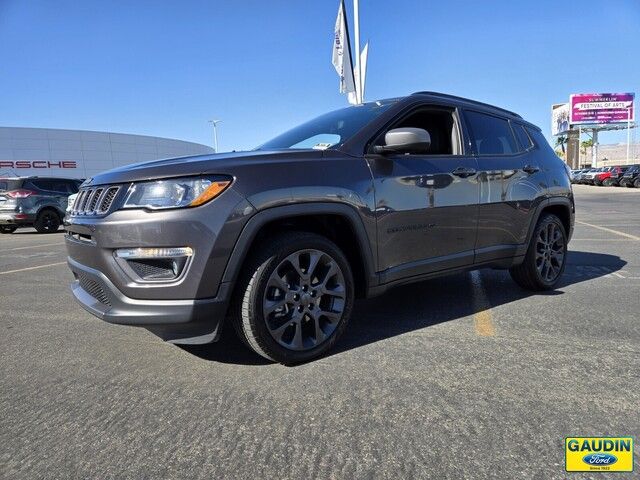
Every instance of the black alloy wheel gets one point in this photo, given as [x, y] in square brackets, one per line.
[48, 221]
[294, 297]
[304, 299]
[546, 257]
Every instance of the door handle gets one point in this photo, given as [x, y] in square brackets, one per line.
[464, 172]
[531, 169]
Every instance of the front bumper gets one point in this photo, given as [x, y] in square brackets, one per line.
[176, 321]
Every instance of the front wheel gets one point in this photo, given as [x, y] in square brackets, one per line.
[636, 183]
[546, 256]
[294, 298]
[8, 228]
[607, 182]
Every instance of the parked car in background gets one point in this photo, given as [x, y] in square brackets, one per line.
[574, 174]
[630, 176]
[70, 201]
[34, 201]
[611, 178]
[587, 178]
[605, 173]
[577, 176]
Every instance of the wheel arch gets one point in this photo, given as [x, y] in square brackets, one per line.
[42, 208]
[562, 207]
[339, 222]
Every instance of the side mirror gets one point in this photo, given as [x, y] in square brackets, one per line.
[405, 140]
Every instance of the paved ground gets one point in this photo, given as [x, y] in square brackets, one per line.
[465, 376]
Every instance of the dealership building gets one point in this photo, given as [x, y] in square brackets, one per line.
[79, 153]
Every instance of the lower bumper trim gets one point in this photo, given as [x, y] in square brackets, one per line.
[177, 321]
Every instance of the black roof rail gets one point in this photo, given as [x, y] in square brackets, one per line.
[467, 100]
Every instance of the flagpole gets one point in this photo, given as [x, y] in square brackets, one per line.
[356, 20]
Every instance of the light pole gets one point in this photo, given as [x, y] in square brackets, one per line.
[215, 134]
[628, 134]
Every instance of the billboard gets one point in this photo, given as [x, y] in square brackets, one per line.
[601, 108]
[560, 118]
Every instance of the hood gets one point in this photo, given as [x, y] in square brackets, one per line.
[222, 163]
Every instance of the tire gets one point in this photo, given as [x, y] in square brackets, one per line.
[48, 221]
[544, 261]
[293, 332]
[636, 183]
[628, 184]
[607, 182]
[8, 228]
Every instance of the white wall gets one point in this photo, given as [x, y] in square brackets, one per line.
[81, 154]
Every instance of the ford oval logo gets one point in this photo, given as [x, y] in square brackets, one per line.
[599, 459]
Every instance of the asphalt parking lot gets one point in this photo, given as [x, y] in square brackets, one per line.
[460, 377]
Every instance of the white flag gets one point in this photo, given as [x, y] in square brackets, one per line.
[363, 67]
[342, 56]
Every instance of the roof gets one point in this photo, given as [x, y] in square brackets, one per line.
[446, 96]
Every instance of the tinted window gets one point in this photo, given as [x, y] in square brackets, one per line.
[492, 135]
[521, 135]
[441, 126]
[74, 186]
[539, 140]
[7, 185]
[53, 185]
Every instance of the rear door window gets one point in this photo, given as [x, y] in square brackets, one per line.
[491, 135]
[53, 185]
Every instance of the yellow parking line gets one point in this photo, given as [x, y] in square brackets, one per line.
[33, 246]
[32, 268]
[482, 319]
[610, 230]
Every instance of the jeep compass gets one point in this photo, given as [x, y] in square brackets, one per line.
[280, 240]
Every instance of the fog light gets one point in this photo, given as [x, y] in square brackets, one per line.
[157, 264]
[163, 252]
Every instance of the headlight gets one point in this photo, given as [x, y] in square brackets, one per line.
[175, 192]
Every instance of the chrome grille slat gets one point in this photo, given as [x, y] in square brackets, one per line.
[77, 202]
[107, 199]
[95, 201]
[85, 199]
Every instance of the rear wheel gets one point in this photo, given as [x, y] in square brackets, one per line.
[48, 221]
[294, 298]
[546, 256]
[607, 182]
[8, 228]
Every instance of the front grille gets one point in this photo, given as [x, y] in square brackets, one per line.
[94, 288]
[95, 201]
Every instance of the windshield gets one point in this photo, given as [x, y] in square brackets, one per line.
[9, 184]
[328, 130]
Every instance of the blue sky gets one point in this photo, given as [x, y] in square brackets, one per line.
[165, 68]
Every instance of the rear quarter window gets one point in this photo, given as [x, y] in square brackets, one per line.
[524, 141]
[539, 140]
[7, 185]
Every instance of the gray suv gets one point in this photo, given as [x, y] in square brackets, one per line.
[34, 201]
[281, 239]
